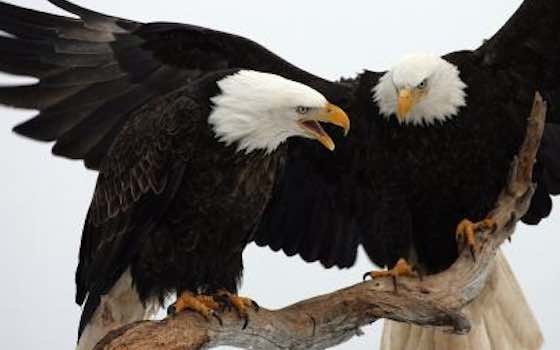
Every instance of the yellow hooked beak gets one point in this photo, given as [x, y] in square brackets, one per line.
[405, 102]
[329, 114]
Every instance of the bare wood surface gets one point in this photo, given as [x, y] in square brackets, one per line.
[331, 319]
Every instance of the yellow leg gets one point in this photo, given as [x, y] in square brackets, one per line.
[201, 304]
[401, 269]
[467, 230]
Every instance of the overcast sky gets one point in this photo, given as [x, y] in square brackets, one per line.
[43, 200]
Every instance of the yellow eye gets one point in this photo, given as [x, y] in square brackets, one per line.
[302, 110]
[422, 84]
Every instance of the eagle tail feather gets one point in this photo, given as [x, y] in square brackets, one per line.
[501, 320]
[102, 314]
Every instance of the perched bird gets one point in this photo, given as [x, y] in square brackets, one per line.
[442, 134]
[187, 156]
[431, 143]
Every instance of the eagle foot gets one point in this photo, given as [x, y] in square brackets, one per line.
[401, 269]
[201, 304]
[467, 230]
[241, 305]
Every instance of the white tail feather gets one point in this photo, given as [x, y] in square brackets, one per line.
[501, 320]
[119, 307]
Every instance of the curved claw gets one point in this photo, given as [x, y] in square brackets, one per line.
[401, 269]
[473, 253]
[224, 301]
[466, 232]
[239, 304]
[171, 310]
[201, 304]
[218, 318]
[245, 321]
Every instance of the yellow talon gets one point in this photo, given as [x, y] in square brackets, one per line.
[401, 269]
[467, 230]
[240, 304]
[201, 304]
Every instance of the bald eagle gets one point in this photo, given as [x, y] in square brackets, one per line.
[436, 153]
[431, 144]
[440, 136]
[185, 176]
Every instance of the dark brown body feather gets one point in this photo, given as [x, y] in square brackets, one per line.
[443, 173]
[173, 204]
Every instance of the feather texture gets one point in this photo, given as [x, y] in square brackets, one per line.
[94, 70]
[120, 306]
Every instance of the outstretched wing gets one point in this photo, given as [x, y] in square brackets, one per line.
[529, 45]
[322, 206]
[136, 184]
[93, 71]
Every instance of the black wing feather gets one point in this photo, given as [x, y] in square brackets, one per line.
[549, 154]
[119, 63]
[529, 45]
[319, 203]
[137, 182]
[308, 214]
[96, 70]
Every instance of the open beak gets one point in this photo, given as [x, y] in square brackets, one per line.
[330, 114]
[405, 101]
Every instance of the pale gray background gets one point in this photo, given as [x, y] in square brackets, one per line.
[43, 200]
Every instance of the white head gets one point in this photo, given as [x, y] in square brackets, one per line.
[260, 111]
[421, 89]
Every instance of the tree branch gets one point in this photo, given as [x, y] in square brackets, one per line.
[331, 319]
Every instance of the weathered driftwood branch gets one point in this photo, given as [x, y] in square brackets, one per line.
[331, 319]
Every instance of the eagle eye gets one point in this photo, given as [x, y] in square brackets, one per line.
[302, 110]
[422, 84]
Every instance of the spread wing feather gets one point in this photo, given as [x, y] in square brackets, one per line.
[311, 213]
[529, 45]
[322, 205]
[94, 70]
